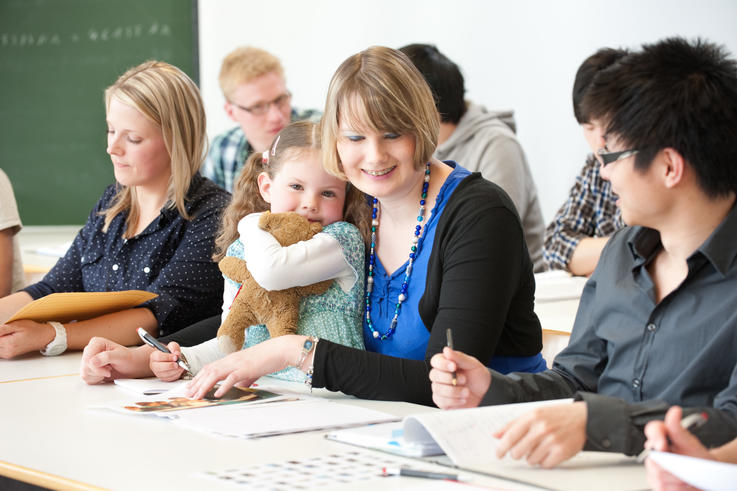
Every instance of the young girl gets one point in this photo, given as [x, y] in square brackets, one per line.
[289, 178]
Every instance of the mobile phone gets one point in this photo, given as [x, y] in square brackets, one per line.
[151, 341]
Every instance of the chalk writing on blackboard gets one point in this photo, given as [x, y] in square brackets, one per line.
[91, 35]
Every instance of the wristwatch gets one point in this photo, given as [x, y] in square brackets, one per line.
[59, 344]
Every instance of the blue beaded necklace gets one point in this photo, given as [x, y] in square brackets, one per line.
[412, 254]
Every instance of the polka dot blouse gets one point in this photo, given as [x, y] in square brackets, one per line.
[170, 257]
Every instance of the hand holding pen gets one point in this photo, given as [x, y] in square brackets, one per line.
[161, 367]
[674, 434]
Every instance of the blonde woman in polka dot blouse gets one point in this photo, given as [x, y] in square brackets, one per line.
[154, 229]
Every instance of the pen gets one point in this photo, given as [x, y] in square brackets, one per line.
[409, 472]
[691, 422]
[449, 344]
[151, 341]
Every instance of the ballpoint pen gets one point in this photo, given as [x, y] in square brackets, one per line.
[151, 341]
[690, 423]
[409, 472]
[449, 344]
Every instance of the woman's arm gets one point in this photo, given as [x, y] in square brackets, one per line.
[6, 261]
[24, 336]
[479, 253]
[275, 267]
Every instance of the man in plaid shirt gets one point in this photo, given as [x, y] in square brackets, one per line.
[578, 233]
[256, 97]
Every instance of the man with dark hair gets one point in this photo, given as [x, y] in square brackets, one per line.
[482, 140]
[578, 233]
[656, 325]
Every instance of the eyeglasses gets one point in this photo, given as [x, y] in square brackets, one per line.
[608, 157]
[261, 108]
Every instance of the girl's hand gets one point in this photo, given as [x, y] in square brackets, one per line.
[164, 365]
[246, 366]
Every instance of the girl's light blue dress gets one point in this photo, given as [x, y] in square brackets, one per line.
[335, 315]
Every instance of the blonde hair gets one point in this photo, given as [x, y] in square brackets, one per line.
[170, 99]
[381, 90]
[292, 142]
[245, 64]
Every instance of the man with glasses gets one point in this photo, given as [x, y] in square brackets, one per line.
[657, 323]
[575, 238]
[256, 97]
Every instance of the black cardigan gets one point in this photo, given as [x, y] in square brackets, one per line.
[479, 282]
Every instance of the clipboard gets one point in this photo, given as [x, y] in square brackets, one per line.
[66, 307]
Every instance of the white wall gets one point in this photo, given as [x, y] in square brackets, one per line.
[519, 54]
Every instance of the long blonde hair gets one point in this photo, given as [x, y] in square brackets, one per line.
[291, 142]
[170, 99]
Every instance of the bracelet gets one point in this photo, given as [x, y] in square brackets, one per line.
[309, 345]
[58, 345]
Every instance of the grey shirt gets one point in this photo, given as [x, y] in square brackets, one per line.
[630, 358]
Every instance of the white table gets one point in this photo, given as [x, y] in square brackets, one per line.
[51, 438]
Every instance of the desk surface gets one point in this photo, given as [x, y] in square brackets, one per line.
[50, 437]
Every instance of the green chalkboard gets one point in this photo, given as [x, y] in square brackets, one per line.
[56, 59]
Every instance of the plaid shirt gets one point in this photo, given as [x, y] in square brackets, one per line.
[589, 211]
[229, 151]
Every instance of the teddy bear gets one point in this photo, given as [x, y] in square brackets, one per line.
[277, 309]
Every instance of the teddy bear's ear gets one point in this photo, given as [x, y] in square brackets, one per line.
[263, 222]
[315, 227]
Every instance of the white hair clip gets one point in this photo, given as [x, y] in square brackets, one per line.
[273, 147]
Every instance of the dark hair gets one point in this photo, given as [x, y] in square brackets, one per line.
[444, 78]
[585, 74]
[677, 94]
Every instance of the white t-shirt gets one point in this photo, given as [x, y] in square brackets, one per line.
[9, 218]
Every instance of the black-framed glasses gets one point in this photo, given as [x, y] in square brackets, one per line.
[608, 157]
[261, 108]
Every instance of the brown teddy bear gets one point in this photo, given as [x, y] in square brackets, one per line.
[278, 309]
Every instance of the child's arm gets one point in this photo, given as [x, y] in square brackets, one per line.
[275, 267]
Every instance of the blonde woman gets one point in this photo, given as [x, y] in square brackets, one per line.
[154, 229]
[448, 250]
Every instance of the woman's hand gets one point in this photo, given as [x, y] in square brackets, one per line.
[246, 366]
[472, 380]
[23, 336]
[164, 365]
[104, 361]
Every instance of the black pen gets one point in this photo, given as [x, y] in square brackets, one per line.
[409, 472]
[691, 422]
[449, 344]
[151, 341]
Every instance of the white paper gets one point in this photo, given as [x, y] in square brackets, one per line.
[552, 286]
[149, 386]
[277, 418]
[700, 473]
[466, 435]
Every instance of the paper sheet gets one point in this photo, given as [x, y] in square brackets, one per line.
[65, 307]
[250, 421]
[466, 434]
[149, 386]
[700, 473]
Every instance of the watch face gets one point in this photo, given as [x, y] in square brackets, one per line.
[308, 345]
